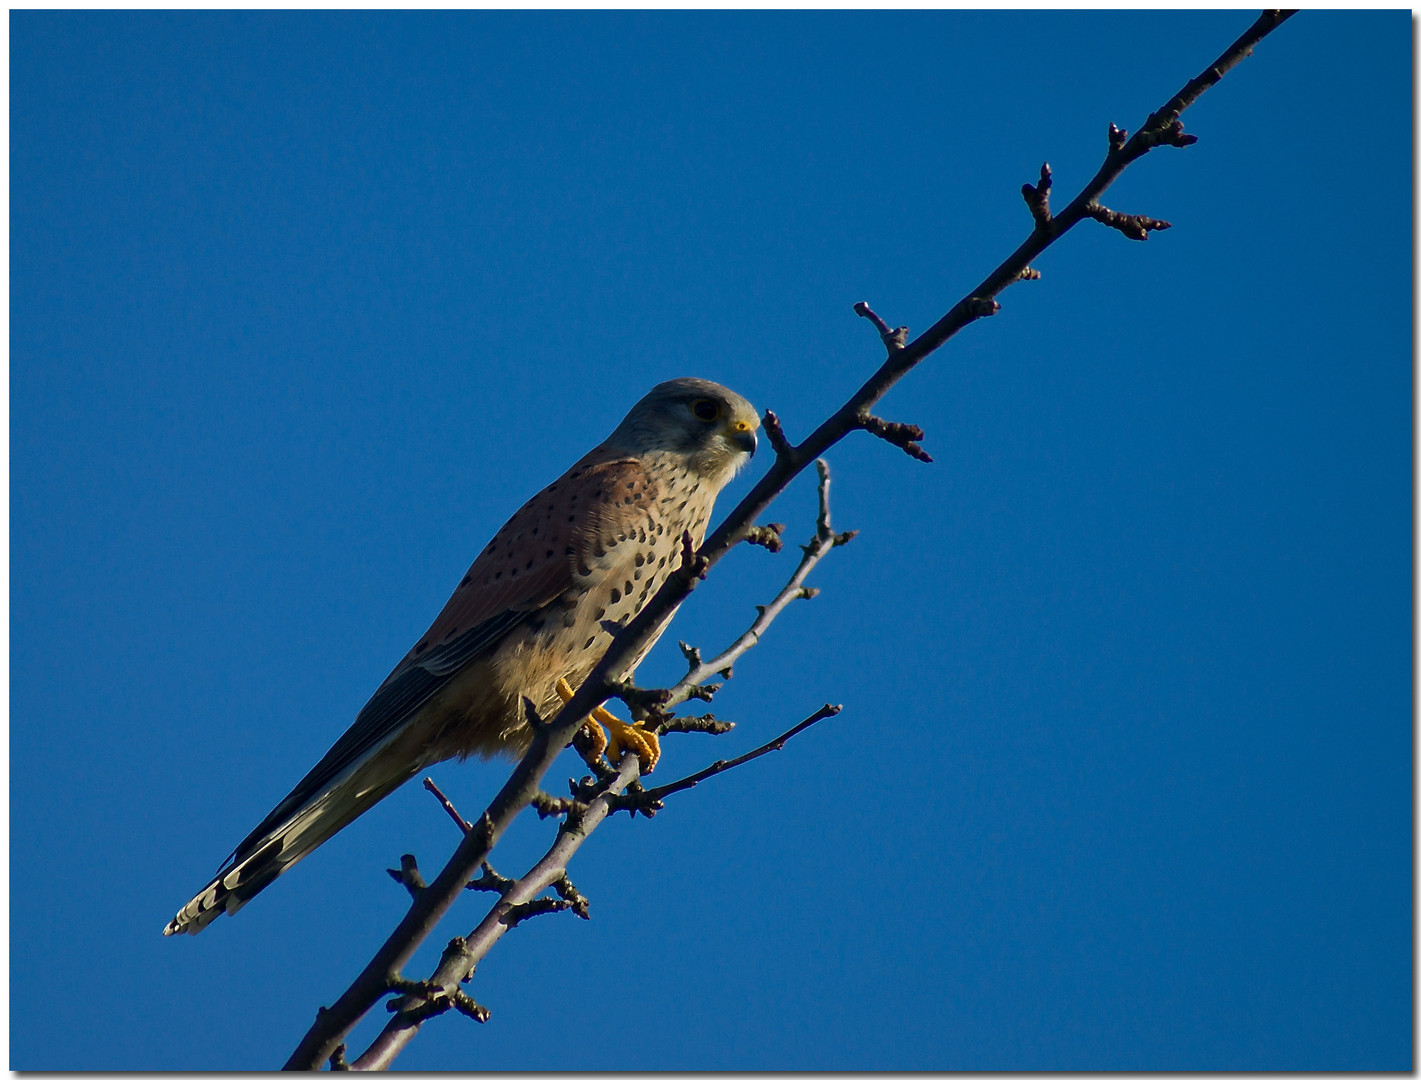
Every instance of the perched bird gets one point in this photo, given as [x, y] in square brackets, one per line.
[526, 620]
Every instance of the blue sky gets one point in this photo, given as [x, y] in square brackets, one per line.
[303, 306]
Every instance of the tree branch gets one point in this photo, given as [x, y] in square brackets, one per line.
[333, 1025]
[456, 966]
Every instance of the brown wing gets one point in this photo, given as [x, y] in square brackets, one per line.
[534, 558]
[528, 564]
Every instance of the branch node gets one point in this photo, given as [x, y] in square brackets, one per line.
[770, 424]
[1029, 273]
[634, 803]
[582, 790]
[549, 805]
[903, 436]
[706, 724]
[691, 653]
[565, 889]
[517, 913]
[638, 698]
[692, 566]
[1133, 226]
[807, 592]
[408, 875]
[702, 693]
[840, 539]
[893, 339]
[1038, 198]
[491, 880]
[980, 307]
[436, 1000]
[338, 1062]
[469, 1007]
[1118, 137]
[768, 536]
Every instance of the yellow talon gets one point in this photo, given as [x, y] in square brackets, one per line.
[619, 735]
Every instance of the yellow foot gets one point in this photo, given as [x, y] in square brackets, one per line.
[620, 736]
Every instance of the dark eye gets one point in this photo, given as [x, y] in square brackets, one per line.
[706, 409]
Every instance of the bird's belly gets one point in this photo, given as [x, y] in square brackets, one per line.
[481, 710]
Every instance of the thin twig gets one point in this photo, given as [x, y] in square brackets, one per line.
[656, 794]
[433, 789]
[824, 541]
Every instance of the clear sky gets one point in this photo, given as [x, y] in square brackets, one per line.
[303, 306]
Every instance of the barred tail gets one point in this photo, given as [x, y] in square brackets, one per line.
[276, 847]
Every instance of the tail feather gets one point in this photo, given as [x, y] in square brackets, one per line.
[263, 858]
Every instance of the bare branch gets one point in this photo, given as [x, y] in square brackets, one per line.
[520, 900]
[334, 1024]
[693, 565]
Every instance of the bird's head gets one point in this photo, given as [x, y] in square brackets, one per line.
[713, 427]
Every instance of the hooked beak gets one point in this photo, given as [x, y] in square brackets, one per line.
[742, 437]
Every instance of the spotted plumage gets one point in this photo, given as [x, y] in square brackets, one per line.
[538, 604]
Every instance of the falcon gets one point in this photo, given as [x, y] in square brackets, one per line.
[530, 618]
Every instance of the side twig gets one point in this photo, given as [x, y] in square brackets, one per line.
[824, 541]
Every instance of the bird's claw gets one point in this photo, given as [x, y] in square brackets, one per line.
[619, 736]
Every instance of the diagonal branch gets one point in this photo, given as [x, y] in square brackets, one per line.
[1161, 128]
[521, 900]
[457, 964]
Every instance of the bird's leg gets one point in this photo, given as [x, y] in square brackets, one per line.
[620, 735]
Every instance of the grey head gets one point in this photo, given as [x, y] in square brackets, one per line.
[711, 427]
